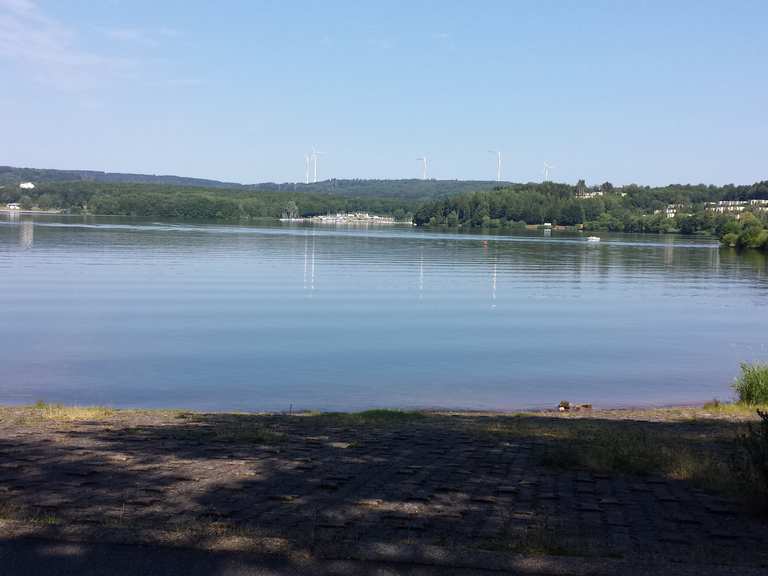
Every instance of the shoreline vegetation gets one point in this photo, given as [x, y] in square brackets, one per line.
[738, 215]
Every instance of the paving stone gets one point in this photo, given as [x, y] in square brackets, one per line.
[336, 524]
[52, 501]
[666, 498]
[674, 538]
[685, 519]
[548, 496]
[418, 498]
[447, 488]
[80, 472]
[722, 535]
[720, 510]
[390, 487]
[142, 501]
[283, 497]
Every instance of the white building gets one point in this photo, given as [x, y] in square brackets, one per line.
[586, 194]
[26, 185]
[736, 206]
[671, 210]
[14, 206]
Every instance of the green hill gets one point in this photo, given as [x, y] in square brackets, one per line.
[350, 188]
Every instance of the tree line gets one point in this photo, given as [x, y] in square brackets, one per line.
[353, 187]
[171, 201]
[625, 209]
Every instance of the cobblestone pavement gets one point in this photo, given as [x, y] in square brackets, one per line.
[320, 482]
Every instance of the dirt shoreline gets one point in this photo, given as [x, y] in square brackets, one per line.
[632, 485]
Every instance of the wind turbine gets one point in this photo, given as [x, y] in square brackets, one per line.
[423, 160]
[307, 162]
[315, 154]
[547, 168]
[498, 163]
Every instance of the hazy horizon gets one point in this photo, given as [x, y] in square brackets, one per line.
[650, 94]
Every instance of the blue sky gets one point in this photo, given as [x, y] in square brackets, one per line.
[645, 92]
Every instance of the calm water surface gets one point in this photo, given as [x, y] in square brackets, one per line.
[125, 313]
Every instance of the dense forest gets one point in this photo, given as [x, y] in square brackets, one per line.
[625, 209]
[167, 201]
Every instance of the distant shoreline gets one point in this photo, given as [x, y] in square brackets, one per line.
[7, 211]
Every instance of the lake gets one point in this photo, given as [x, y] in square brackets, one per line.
[246, 317]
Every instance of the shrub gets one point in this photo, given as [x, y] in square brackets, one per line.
[714, 404]
[730, 239]
[751, 464]
[752, 386]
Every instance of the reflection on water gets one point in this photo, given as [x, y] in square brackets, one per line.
[248, 317]
[27, 234]
[493, 283]
[311, 263]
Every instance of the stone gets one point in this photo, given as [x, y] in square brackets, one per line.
[283, 497]
[483, 499]
[507, 489]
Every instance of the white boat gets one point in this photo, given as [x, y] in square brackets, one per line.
[593, 238]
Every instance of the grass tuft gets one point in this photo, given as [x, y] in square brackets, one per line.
[737, 409]
[16, 513]
[752, 386]
[60, 412]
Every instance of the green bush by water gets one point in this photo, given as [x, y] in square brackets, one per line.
[752, 386]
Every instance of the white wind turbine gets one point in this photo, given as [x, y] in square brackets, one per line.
[315, 154]
[547, 168]
[307, 163]
[498, 163]
[423, 160]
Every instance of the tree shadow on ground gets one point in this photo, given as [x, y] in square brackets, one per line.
[312, 486]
